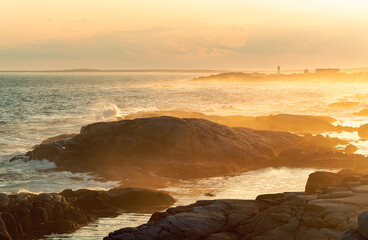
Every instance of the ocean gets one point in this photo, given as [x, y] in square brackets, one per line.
[35, 106]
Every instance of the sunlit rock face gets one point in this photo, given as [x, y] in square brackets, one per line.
[279, 122]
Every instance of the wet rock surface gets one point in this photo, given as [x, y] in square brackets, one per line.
[324, 213]
[30, 216]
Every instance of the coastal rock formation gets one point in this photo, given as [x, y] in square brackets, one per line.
[165, 146]
[294, 77]
[361, 233]
[279, 122]
[323, 213]
[145, 152]
[30, 216]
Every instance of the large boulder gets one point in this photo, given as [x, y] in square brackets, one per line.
[167, 146]
[139, 200]
[30, 216]
[321, 180]
[363, 224]
[361, 233]
[4, 235]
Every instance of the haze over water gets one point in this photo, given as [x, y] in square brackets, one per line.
[35, 106]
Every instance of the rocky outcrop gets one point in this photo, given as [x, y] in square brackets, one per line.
[279, 122]
[324, 214]
[150, 148]
[166, 146]
[30, 216]
[232, 77]
[361, 233]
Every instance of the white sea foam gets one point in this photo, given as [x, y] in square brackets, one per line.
[108, 112]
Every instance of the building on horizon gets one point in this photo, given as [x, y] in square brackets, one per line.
[278, 69]
[327, 70]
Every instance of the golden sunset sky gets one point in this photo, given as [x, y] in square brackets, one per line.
[183, 34]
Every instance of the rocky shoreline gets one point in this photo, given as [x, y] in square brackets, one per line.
[150, 150]
[26, 216]
[330, 205]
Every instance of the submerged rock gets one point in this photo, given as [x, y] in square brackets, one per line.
[325, 214]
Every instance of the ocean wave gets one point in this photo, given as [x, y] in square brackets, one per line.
[36, 176]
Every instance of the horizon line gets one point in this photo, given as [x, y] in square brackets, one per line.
[155, 70]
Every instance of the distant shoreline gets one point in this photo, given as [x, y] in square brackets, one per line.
[91, 70]
[115, 71]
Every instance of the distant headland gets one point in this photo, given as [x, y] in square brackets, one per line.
[91, 70]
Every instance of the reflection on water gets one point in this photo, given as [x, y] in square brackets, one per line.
[102, 227]
[247, 185]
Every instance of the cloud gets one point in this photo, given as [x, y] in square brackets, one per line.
[153, 41]
[210, 47]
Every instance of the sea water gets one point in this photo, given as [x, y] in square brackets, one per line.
[35, 106]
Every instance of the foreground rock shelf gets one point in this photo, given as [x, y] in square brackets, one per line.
[30, 216]
[330, 206]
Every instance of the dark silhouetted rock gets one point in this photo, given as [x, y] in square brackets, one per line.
[170, 147]
[30, 216]
[139, 200]
[322, 180]
[351, 234]
[363, 224]
[4, 235]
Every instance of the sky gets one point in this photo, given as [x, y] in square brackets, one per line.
[183, 34]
